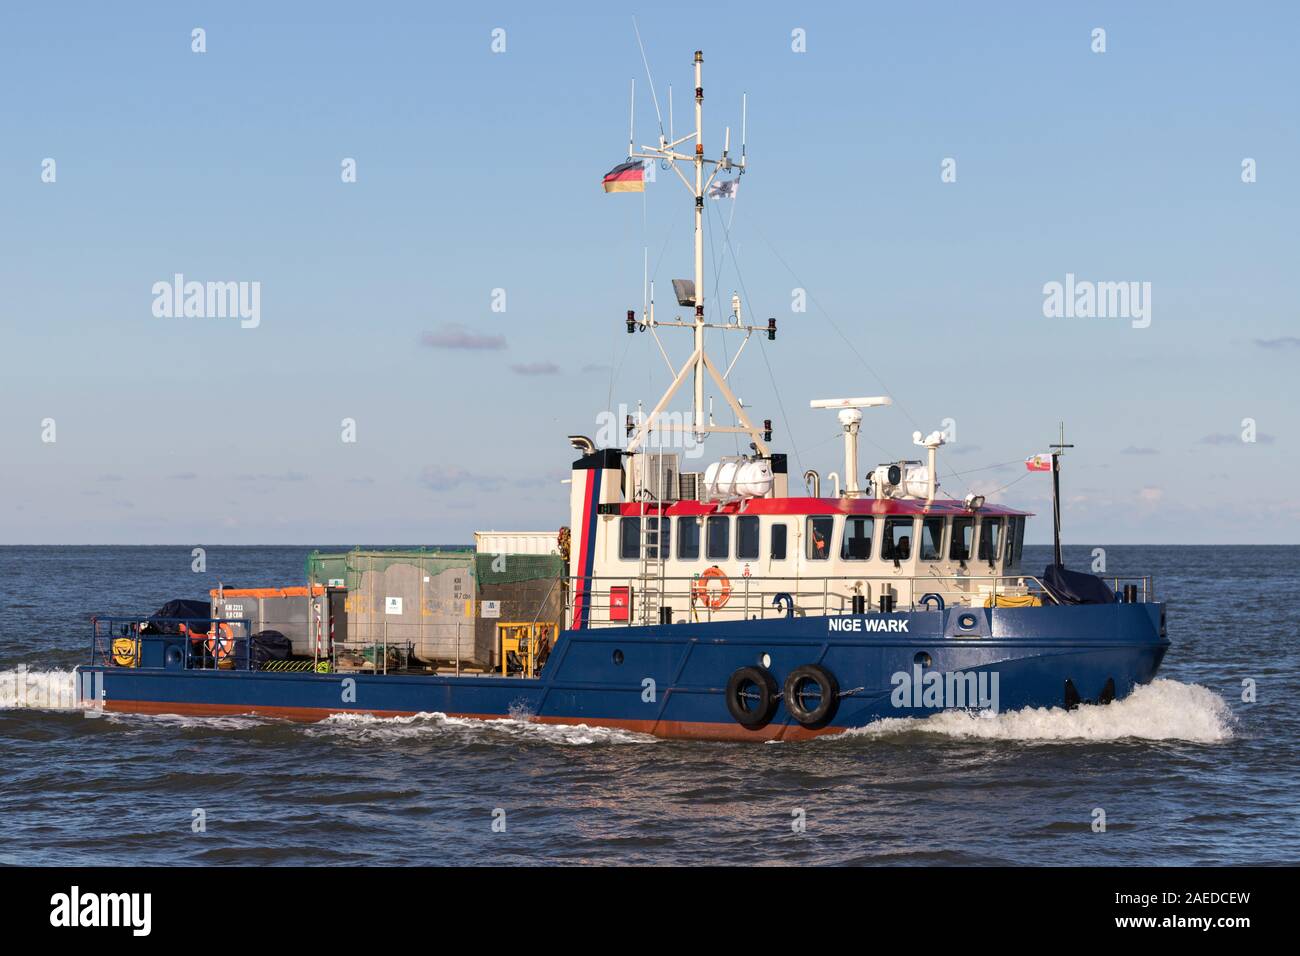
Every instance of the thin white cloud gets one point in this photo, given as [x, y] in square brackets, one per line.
[536, 368]
[1223, 438]
[459, 337]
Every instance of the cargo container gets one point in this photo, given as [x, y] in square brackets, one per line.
[517, 588]
[310, 623]
[516, 542]
[418, 605]
[439, 608]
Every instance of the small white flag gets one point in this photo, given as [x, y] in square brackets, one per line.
[724, 188]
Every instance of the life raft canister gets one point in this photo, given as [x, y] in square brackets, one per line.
[703, 594]
[811, 694]
[751, 696]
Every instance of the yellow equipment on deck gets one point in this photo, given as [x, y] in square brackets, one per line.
[529, 641]
[1014, 600]
[126, 652]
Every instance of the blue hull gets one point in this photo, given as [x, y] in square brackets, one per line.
[670, 680]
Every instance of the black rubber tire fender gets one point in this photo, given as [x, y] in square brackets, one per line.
[751, 696]
[828, 690]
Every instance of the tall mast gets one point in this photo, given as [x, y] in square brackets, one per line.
[699, 242]
[699, 366]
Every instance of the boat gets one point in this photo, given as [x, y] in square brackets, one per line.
[715, 604]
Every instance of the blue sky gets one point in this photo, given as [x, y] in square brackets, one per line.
[479, 170]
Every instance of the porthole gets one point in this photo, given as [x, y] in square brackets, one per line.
[922, 659]
[766, 661]
[618, 657]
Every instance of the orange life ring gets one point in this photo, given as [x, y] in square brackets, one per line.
[702, 594]
[221, 647]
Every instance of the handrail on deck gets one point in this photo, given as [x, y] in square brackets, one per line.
[816, 594]
[107, 630]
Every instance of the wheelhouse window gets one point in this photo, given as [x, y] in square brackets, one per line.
[629, 538]
[658, 537]
[856, 545]
[931, 539]
[819, 537]
[897, 545]
[779, 532]
[688, 538]
[1015, 540]
[718, 535]
[747, 537]
[990, 539]
[963, 535]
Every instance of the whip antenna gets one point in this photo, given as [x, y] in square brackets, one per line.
[631, 121]
[650, 79]
[744, 104]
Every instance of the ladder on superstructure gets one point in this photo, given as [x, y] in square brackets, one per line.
[650, 582]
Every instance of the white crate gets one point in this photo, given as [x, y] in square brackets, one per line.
[516, 542]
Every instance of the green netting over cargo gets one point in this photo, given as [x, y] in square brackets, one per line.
[347, 568]
[513, 568]
[414, 598]
[442, 605]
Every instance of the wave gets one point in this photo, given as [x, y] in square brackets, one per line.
[1161, 710]
[367, 726]
[23, 689]
[189, 721]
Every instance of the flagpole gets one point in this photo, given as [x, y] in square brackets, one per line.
[1056, 508]
[1057, 450]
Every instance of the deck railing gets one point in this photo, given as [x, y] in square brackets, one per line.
[136, 642]
[133, 642]
[754, 597]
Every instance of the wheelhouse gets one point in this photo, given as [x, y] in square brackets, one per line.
[639, 560]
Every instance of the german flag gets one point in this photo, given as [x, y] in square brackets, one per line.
[627, 177]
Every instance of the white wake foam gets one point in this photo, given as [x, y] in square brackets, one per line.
[186, 721]
[368, 726]
[38, 690]
[1161, 710]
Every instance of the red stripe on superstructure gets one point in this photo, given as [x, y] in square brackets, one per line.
[818, 506]
[678, 729]
[584, 569]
